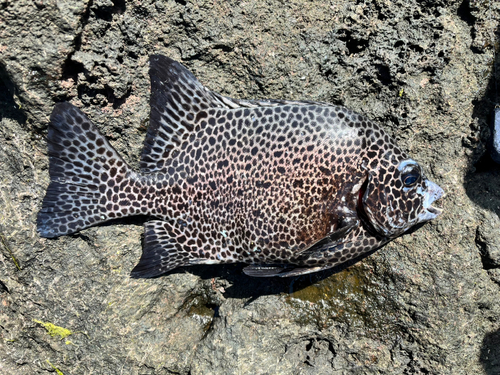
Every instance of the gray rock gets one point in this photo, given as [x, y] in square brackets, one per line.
[488, 240]
[425, 304]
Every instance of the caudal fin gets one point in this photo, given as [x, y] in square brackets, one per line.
[86, 173]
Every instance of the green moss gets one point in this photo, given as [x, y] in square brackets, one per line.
[59, 372]
[54, 330]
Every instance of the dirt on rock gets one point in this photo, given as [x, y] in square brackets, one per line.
[427, 303]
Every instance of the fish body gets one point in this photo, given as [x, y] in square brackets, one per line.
[287, 187]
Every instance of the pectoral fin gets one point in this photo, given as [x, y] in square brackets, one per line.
[331, 240]
[272, 270]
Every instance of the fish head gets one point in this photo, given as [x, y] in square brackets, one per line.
[398, 197]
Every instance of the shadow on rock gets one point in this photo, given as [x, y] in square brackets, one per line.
[490, 353]
[482, 185]
[8, 106]
[243, 286]
[482, 182]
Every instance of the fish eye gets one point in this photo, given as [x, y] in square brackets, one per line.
[411, 178]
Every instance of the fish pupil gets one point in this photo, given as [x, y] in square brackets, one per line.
[411, 178]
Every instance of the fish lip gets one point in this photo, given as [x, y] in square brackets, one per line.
[432, 194]
[435, 210]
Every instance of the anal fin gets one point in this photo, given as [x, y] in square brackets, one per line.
[317, 248]
[161, 252]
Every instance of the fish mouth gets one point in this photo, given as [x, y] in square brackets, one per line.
[433, 194]
[435, 210]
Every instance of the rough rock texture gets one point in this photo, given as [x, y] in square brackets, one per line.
[425, 304]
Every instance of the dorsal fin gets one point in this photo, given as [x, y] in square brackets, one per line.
[178, 102]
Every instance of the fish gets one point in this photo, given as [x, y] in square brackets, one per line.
[286, 187]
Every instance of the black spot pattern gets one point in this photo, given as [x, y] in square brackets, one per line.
[164, 252]
[178, 102]
[84, 171]
[289, 187]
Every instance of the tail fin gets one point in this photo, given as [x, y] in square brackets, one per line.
[85, 172]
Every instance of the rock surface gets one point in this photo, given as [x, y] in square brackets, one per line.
[425, 304]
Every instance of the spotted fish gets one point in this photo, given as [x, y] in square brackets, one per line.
[287, 187]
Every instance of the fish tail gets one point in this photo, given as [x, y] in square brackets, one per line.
[86, 175]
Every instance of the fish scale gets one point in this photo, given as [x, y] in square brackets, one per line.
[287, 187]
